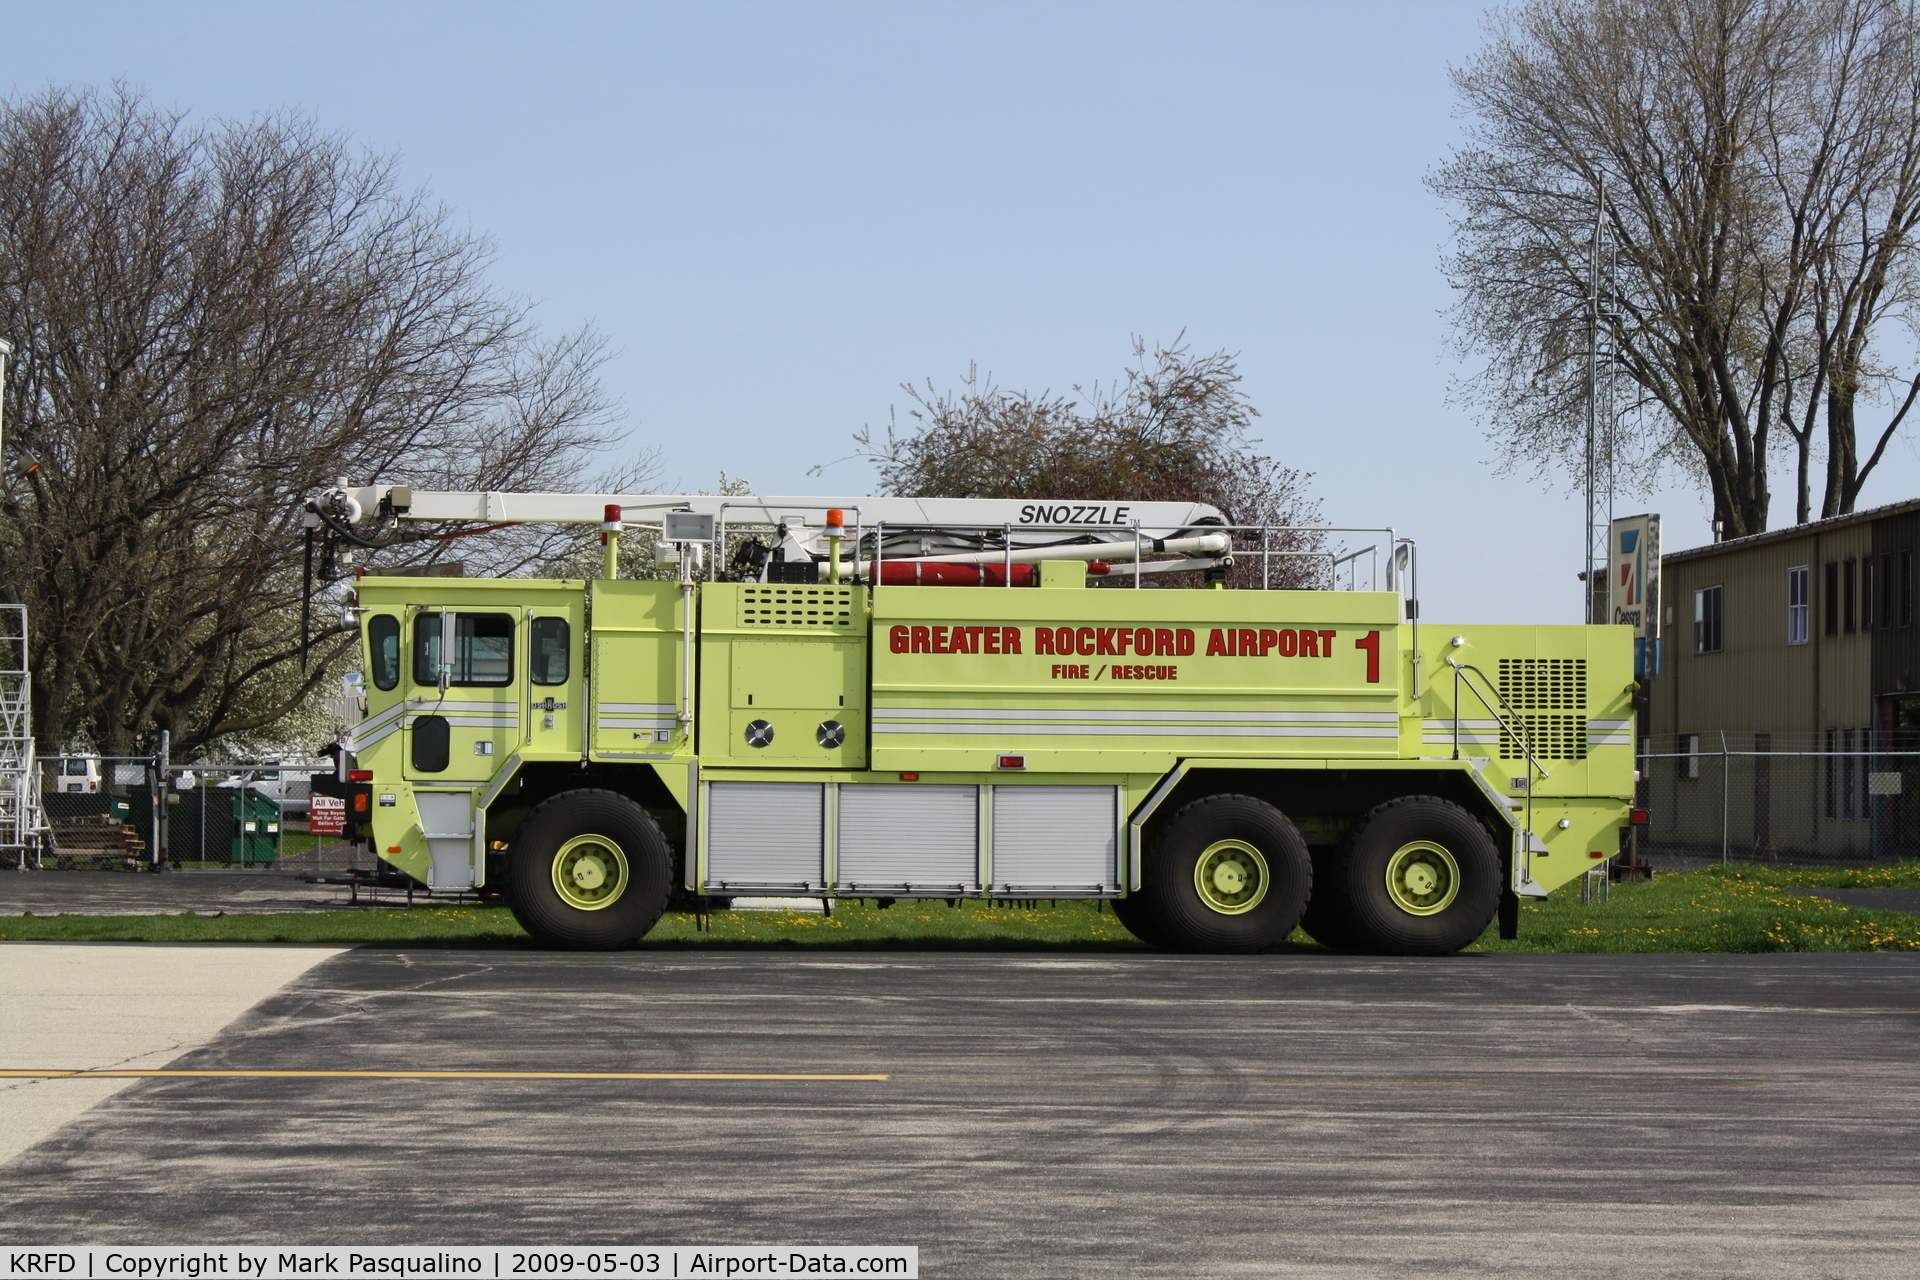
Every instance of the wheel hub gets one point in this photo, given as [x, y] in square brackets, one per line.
[1423, 878]
[590, 872]
[1231, 877]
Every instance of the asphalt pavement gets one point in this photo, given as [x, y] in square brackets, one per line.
[1872, 899]
[1044, 1114]
[147, 893]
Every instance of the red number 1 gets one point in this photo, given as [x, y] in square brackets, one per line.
[1371, 643]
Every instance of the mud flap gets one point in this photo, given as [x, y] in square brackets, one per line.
[1509, 915]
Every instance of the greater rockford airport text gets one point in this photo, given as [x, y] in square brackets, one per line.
[650, 1262]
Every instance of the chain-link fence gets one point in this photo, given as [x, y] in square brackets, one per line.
[138, 813]
[1837, 797]
[258, 817]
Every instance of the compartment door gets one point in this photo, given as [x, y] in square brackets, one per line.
[765, 837]
[1056, 842]
[908, 840]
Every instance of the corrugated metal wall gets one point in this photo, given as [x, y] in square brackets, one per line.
[1773, 700]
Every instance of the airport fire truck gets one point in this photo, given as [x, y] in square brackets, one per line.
[887, 698]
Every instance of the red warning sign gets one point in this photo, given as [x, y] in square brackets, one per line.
[327, 815]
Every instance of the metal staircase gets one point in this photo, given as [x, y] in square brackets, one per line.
[22, 825]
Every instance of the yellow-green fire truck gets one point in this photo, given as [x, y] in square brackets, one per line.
[886, 698]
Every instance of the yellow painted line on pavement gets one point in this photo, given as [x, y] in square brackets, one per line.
[123, 1073]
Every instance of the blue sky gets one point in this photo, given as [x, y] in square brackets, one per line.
[780, 212]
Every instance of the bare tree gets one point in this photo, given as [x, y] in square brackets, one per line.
[1759, 158]
[1174, 427]
[213, 322]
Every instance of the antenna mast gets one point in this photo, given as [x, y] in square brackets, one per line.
[1600, 284]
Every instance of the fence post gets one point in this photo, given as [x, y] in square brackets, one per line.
[1725, 793]
[161, 792]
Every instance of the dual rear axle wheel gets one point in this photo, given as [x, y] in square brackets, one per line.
[1230, 873]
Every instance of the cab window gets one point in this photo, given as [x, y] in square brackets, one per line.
[547, 650]
[482, 649]
[383, 648]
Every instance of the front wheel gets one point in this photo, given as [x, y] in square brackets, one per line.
[588, 871]
[1415, 876]
[1227, 874]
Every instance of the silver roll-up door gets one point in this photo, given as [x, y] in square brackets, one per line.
[1057, 842]
[766, 837]
[908, 841]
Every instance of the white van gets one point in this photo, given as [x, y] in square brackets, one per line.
[77, 773]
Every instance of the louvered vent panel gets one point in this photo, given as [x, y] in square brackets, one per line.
[805, 606]
[1553, 738]
[1545, 684]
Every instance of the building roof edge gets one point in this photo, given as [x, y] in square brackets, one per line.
[1812, 527]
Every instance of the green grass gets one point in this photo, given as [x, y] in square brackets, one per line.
[1737, 909]
[1722, 909]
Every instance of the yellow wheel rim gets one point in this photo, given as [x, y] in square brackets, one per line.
[590, 872]
[1422, 878]
[1231, 877]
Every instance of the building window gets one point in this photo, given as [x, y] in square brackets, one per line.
[1798, 586]
[1906, 588]
[1706, 620]
[1688, 761]
[1833, 598]
[1889, 592]
[1849, 595]
[1866, 593]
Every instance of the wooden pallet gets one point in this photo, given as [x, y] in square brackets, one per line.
[97, 839]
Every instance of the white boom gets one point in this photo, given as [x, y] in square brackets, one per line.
[1115, 520]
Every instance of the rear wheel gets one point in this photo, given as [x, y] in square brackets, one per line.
[588, 871]
[1417, 876]
[1227, 873]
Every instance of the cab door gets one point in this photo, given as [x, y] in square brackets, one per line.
[464, 704]
[553, 713]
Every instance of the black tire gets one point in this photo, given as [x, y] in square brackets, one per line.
[1445, 909]
[1277, 883]
[568, 824]
[1132, 912]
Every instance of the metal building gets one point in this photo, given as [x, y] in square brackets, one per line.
[1789, 692]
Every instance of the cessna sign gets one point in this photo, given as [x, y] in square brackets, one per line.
[1633, 586]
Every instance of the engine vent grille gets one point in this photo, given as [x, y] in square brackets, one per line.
[806, 606]
[1553, 738]
[1545, 684]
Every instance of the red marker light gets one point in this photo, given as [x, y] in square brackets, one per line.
[909, 777]
[1639, 817]
[360, 775]
[1013, 762]
[393, 848]
[1595, 853]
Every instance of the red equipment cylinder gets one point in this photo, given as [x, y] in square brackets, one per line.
[917, 573]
